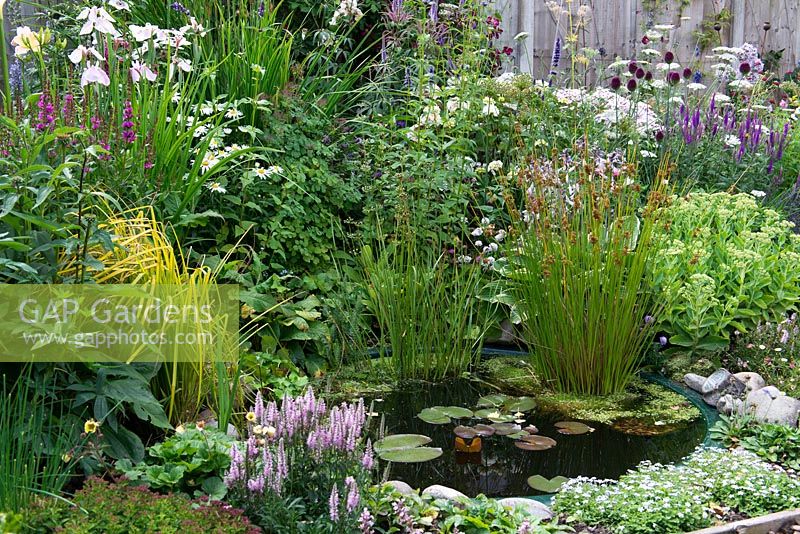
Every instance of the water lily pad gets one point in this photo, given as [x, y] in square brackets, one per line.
[456, 412]
[465, 432]
[470, 446]
[536, 443]
[539, 483]
[518, 435]
[484, 430]
[520, 404]
[494, 415]
[530, 429]
[492, 401]
[400, 441]
[411, 456]
[504, 429]
[433, 416]
[573, 428]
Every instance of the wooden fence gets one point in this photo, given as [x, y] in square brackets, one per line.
[617, 27]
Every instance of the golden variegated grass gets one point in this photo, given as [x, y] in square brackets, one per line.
[144, 255]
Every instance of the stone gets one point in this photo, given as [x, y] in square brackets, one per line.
[769, 405]
[752, 381]
[712, 398]
[443, 492]
[400, 487]
[694, 381]
[718, 380]
[728, 404]
[529, 506]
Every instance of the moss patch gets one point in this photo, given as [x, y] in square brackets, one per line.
[643, 408]
[510, 374]
[350, 382]
[682, 363]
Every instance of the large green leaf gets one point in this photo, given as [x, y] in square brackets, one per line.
[552, 485]
[409, 456]
[400, 441]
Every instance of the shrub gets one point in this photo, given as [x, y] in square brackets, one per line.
[724, 263]
[679, 498]
[775, 443]
[116, 508]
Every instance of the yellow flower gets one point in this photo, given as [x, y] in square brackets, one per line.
[66, 457]
[91, 426]
[251, 416]
[180, 429]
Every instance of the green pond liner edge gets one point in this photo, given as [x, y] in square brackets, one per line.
[708, 413]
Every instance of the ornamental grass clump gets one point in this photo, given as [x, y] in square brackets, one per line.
[302, 463]
[580, 272]
[426, 307]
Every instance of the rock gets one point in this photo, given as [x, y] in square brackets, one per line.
[718, 380]
[728, 404]
[769, 405]
[400, 486]
[752, 381]
[443, 492]
[712, 398]
[694, 381]
[529, 506]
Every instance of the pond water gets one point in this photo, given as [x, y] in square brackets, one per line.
[502, 469]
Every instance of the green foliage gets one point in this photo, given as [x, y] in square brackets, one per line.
[395, 512]
[10, 523]
[673, 499]
[724, 263]
[191, 461]
[289, 212]
[426, 307]
[101, 507]
[584, 250]
[779, 444]
[32, 442]
[108, 393]
[771, 350]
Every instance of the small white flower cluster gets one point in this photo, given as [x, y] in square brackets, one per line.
[347, 9]
[615, 108]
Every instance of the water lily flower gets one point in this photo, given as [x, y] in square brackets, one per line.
[141, 70]
[94, 74]
[81, 53]
[97, 18]
[27, 40]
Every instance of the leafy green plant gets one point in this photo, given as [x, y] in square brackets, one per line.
[191, 461]
[724, 263]
[116, 508]
[673, 499]
[584, 250]
[425, 304]
[390, 511]
[775, 443]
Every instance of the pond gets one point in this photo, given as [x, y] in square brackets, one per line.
[500, 468]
